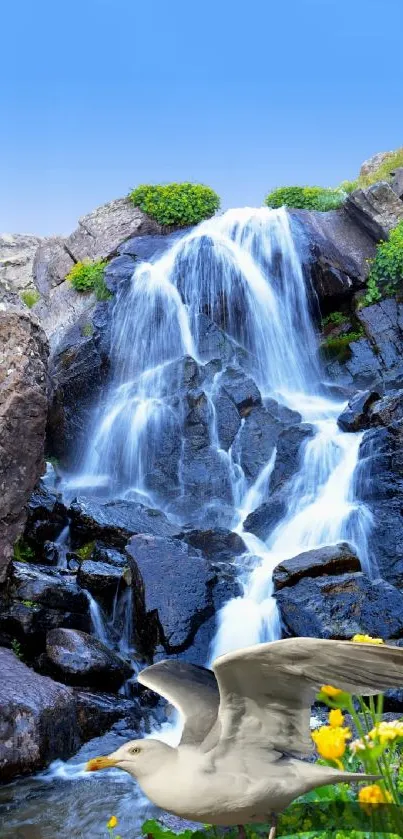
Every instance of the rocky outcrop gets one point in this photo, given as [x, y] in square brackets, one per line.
[17, 255]
[79, 659]
[355, 416]
[38, 719]
[371, 166]
[23, 409]
[397, 182]
[116, 521]
[335, 559]
[376, 209]
[341, 606]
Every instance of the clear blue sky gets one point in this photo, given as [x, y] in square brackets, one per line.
[100, 95]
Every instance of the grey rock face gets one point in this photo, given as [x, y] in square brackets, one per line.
[23, 409]
[376, 209]
[335, 559]
[102, 580]
[373, 163]
[38, 719]
[341, 606]
[17, 253]
[100, 233]
[34, 584]
[78, 658]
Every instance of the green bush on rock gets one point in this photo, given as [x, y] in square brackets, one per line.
[89, 276]
[176, 204]
[386, 274]
[30, 296]
[306, 198]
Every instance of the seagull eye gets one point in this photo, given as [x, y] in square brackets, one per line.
[135, 750]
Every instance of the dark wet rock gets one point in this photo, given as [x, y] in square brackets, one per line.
[355, 416]
[341, 606]
[290, 445]
[281, 413]
[98, 712]
[379, 484]
[80, 659]
[47, 587]
[256, 440]
[177, 585]
[376, 209]
[28, 622]
[217, 545]
[241, 389]
[51, 554]
[110, 556]
[47, 516]
[397, 182]
[117, 271]
[38, 719]
[79, 369]
[387, 410]
[268, 515]
[205, 475]
[227, 419]
[213, 342]
[149, 248]
[102, 580]
[23, 409]
[336, 252]
[334, 559]
[197, 421]
[116, 521]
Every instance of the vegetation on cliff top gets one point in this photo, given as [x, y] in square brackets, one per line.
[178, 205]
[89, 276]
[306, 198]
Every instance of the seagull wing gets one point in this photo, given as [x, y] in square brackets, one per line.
[192, 690]
[266, 691]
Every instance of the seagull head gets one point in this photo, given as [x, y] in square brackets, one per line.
[138, 757]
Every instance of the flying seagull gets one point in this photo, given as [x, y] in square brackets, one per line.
[246, 728]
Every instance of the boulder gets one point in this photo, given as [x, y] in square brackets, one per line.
[111, 556]
[51, 263]
[177, 585]
[100, 233]
[102, 580]
[38, 719]
[28, 622]
[114, 522]
[119, 270]
[227, 419]
[46, 586]
[97, 712]
[355, 416]
[60, 309]
[151, 247]
[341, 606]
[268, 515]
[17, 252]
[80, 659]
[383, 323]
[47, 515]
[216, 545]
[256, 440]
[376, 209]
[397, 182]
[334, 559]
[387, 410]
[23, 409]
[241, 389]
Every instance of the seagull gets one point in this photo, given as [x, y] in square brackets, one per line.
[246, 728]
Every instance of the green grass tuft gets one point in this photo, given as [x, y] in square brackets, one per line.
[30, 296]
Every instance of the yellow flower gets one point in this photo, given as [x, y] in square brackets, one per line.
[336, 718]
[387, 731]
[367, 639]
[112, 823]
[329, 690]
[331, 742]
[373, 795]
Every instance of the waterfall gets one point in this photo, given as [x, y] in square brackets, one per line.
[241, 272]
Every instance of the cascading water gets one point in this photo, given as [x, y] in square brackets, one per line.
[241, 271]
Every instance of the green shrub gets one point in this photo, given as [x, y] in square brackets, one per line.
[306, 198]
[87, 330]
[16, 648]
[29, 604]
[85, 552]
[180, 205]
[22, 552]
[334, 319]
[339, 347]
[386, 274]
[89, 276]
[30, 297]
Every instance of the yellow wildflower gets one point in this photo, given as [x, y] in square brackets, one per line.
[329, 690]
[372, 796]
[367, 639]
[112, 823]
[336, 718]
[331, 742]
[387, 731]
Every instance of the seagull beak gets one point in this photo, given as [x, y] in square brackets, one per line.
[100, 763]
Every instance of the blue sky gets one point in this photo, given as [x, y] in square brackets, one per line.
[100, 95]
